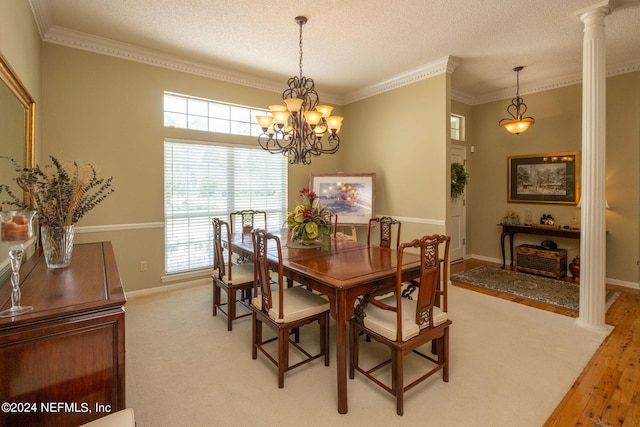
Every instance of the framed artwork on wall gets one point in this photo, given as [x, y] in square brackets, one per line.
[544, 178]
[350, 196]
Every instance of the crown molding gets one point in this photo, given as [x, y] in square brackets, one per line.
[440, 66]
[568, 80]
[448, 64]
[79, 40]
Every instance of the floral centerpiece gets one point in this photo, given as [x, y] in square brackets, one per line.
[60, 193]
[309, 221]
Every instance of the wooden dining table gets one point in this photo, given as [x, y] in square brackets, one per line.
[342, 270]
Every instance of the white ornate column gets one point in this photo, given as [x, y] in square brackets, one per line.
[593, 228]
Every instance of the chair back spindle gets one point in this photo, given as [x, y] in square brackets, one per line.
[386, 224]
[246, 218]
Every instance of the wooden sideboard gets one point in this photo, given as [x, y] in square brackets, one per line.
[511, 230]
[63, 364]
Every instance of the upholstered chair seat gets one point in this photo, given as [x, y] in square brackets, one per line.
[298, 303]
[242, 273]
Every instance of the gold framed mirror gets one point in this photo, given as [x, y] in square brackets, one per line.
[16, 102]
[17, 128]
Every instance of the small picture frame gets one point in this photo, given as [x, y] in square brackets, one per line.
[350, 196]
[544, 178]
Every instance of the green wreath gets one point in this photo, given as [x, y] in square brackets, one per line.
[459, 179]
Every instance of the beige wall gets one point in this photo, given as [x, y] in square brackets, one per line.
[20, 44]
[401, 136]
[108, 111]
[558, 128]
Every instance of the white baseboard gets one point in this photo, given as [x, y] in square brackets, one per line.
[167, 288]
[630, 285]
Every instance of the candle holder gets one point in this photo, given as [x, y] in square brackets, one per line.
[16, 229]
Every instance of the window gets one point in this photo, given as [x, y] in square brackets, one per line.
[203, 181]
[457, 127]
[210, 116]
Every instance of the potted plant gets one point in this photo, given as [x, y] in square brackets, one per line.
[61, 193]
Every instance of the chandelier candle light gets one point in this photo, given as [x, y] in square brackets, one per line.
[297, 128]
[517, 124]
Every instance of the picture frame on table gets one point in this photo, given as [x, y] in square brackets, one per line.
[544, 178]
[350, 196]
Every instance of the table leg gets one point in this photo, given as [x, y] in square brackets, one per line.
[511, 248]
[341, 353]
[504, 262]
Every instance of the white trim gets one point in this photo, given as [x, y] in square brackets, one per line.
[630, 285]
[428, 221]
[167, 288]
[179, 277]
[78, 40]
[440, 66]
[119, 227]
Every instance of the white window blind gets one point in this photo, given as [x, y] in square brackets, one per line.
[203, 181]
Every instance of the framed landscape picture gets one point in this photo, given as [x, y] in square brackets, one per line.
[544, 178]
[350, 196]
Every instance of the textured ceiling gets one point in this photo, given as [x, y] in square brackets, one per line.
[350, 45]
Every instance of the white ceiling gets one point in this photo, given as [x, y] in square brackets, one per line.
[350, 46]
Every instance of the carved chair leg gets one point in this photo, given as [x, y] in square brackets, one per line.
[256, 335]
[445, 355]
[216, 298]
[283, 355]
[231, 307]
[397, 382]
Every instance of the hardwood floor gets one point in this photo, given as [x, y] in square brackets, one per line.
[607, 392]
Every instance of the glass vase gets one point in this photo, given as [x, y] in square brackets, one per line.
[16, 229]
[57, 245]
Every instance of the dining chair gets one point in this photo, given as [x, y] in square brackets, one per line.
[284, 310]
[386, 225]
[229, 276]
[404, 326]
[332, 219]
[246, 220]
[443, 276]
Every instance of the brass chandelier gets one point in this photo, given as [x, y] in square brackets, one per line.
[517, 124]
[297, 128]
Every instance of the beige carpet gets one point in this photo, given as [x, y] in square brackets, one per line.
[510, 365]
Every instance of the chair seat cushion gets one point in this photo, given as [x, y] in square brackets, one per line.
[384, 322]
[298, 303]
[240, 274]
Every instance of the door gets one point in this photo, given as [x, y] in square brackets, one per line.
[457, 221]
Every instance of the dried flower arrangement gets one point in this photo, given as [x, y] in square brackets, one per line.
[60, 193]
[511, 218]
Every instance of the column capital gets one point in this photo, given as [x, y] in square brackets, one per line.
[601, 8]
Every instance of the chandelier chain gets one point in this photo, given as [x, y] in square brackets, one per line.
[300, 63]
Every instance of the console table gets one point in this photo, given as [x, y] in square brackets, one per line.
[511, 230]
[63, 363]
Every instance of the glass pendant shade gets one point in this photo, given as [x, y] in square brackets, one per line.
[313, 118]
[294, 104]
[334, 123]
[517, 124]
[325, 110]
